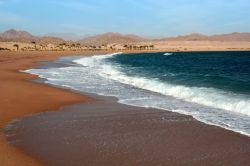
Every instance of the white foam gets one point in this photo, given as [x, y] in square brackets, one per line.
[204, 96]
[168, 53]
[93, 61]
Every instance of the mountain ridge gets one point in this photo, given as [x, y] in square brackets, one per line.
[111, 37]
[235, 36]
[13, 35]
[118, 38]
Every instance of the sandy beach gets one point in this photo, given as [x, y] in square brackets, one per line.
[101, 131]
[17, 92]
[124, 83]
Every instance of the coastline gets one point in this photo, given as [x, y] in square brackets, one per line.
[14, 86]
[76, 98]
[17, 90]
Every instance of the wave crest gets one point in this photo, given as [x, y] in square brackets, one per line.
[205, 96]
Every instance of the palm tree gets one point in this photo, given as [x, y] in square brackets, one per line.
[17, 46]
[130, 47]
[33, 42]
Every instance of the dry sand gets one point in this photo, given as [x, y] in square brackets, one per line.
[202, 45]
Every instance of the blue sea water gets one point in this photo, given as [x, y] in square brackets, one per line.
[213, 87]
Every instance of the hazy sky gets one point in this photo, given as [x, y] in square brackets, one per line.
[143, 17]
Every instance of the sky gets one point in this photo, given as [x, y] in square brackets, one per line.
[142, 17]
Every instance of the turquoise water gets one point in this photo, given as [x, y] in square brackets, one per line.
[213, 87]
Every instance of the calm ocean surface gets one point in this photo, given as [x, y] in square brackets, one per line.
[213, 87]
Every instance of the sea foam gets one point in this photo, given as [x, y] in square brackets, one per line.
[205, 96]
[168, 53]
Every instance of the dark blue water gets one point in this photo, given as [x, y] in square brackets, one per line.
[228, 71]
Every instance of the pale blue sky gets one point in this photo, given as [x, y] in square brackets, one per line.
[143, 17]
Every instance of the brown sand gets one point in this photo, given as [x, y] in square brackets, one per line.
[202, 45]
[19, 97]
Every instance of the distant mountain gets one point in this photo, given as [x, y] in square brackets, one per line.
[232, 37]
[109, 38]
[136, 37]
[190, 37]
[65, 36]
[12, 34]
[23, 36]
[200, 37]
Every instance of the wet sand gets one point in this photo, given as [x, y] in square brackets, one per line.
[104, 132]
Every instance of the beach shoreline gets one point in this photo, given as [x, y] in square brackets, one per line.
[15, 84]
[25, 81]
[17, 90]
